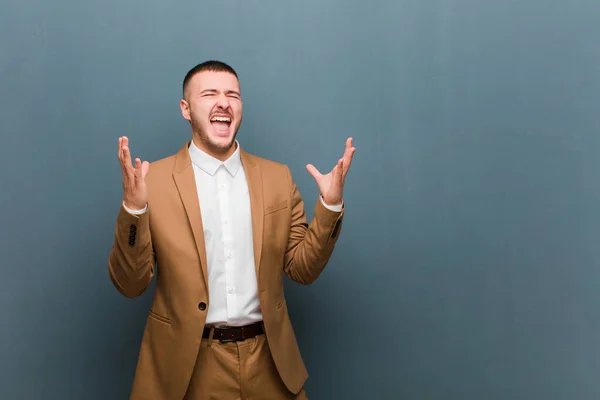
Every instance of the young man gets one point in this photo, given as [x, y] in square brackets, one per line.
[222, 226]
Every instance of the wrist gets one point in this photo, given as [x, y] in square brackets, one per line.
[132, 205]
[332, 201]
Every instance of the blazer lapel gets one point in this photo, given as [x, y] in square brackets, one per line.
[183, 174]
[253, 175]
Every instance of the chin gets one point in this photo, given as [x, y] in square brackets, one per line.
[222, 142]
[218, 141]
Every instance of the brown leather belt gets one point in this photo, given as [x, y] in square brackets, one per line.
[235, 333]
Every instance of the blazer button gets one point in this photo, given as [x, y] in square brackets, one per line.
[202, 306]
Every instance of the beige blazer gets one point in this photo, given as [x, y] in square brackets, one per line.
[168, 242]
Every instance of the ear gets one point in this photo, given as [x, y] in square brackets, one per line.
[185, 109]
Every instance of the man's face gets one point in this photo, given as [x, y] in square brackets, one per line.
[213, 105]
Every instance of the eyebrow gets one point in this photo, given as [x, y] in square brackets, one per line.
[215, 90]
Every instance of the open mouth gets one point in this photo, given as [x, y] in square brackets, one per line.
[221, 123]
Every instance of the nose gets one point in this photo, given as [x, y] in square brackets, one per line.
[223, 101]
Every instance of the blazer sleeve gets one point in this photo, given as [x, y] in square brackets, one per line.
[131, 262]
[310, 246]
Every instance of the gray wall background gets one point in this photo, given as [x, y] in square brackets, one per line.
[468, 267]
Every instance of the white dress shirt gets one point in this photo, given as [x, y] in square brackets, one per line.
[226, 219]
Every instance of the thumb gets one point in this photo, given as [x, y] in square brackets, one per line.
[313, 171]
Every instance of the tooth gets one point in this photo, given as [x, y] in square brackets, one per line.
[221, 119]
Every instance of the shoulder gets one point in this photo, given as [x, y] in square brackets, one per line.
[163, 165]
[273, 172]
[161, 171]
[266, 165]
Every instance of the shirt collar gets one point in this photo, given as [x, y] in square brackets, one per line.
[210, 164]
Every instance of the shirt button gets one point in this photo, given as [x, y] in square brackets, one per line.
[202, 306]
[230, 290]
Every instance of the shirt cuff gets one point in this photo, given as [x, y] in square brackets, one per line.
[337, 208]
[135, 212]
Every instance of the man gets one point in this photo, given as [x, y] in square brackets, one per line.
[222, 226]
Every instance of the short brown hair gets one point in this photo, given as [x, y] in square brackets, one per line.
[211, 65]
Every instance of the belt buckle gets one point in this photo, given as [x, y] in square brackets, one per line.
[230, 335]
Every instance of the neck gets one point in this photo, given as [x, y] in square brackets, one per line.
[219, 154]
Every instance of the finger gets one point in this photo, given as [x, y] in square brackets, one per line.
[126, 162]
[145, 168]
[349, 149]
[123, 142]
[338, 170]
[121, 155]
[313, 171]
[349, 146]
[121, 145]
[126, 156]
[348, 154]
[139, 167]
[348, 160]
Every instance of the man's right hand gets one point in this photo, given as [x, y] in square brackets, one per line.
[135, 195]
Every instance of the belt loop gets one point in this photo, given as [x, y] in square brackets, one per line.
[210, 335]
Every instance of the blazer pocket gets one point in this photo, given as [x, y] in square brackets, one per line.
[159, 317]
[276, 207]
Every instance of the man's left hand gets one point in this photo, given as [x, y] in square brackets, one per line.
[331, 185]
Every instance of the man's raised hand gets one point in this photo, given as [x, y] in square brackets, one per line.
[135, 195]
[331, 185]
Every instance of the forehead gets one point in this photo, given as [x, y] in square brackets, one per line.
[214, 80]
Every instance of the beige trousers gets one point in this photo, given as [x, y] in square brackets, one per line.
[242, 370]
